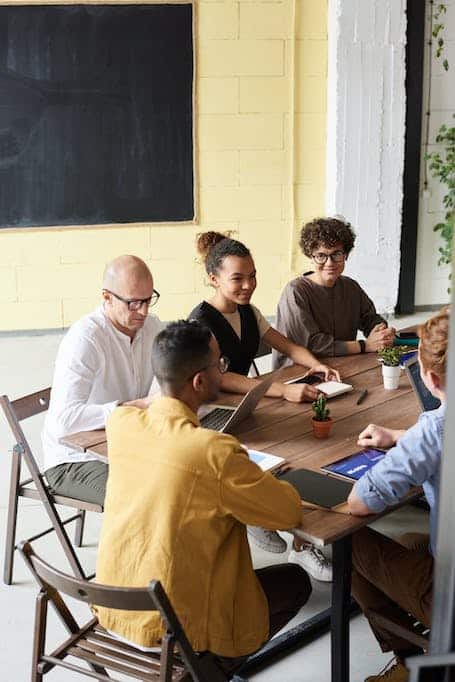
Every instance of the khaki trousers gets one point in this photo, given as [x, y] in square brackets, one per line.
[387, 575]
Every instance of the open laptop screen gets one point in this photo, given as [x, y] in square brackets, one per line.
[426, 399]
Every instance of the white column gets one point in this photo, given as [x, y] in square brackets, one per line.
[366, 128]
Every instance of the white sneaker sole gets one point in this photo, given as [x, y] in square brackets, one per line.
[266, 547]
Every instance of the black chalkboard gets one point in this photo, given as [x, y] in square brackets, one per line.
[96, 114]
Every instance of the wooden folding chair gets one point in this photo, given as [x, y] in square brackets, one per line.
[96, 648]
[405, 626]
[35, 487]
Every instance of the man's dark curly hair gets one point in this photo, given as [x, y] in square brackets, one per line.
[326, 232]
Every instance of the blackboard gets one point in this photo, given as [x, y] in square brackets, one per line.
[96, 114]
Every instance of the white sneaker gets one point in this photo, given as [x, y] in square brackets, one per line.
[313, 561]
[268, 540]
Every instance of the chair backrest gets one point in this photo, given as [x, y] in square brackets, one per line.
[16, 411]
[125, 598]
[28, 406]
[151, 598]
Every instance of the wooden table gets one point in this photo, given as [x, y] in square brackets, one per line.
[284, 429]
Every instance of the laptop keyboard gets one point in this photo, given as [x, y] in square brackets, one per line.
[216, 419]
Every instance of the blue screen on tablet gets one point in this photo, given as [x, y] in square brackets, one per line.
[356, 465]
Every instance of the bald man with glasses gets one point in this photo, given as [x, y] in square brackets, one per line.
[103, 361]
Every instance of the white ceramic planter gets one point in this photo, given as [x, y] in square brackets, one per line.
[391, 376]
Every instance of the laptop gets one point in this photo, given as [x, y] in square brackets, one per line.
[225, 419]
[427, 401]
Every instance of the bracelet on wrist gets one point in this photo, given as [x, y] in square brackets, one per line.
[363, 346]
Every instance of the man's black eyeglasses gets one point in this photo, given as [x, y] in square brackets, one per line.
[137, 303]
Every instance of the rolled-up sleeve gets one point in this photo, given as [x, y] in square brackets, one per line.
[414, 460]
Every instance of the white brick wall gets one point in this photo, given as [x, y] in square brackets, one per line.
[365, 128]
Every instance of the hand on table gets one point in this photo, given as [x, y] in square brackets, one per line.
[298, 393]
[141, 403]
[377, 436]
[329, 373]
[380, 337]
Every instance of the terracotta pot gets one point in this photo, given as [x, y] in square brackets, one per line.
[321, 429]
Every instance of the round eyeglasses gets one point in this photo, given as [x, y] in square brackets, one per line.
[222, 364]
[335, 257]
[137, 303]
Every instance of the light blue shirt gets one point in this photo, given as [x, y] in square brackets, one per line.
[415, 460]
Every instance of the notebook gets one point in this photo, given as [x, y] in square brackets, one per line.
[333, 388]
[265, 460]
[427, 401]
[319, 490]
[356, 465]
[224, 418]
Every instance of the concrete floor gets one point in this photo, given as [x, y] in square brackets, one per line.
[26, 364]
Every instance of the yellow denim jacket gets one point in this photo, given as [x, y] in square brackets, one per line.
[177, 500]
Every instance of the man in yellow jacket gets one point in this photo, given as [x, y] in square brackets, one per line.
[178, 500]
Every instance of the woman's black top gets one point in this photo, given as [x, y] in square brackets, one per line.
[240, 351]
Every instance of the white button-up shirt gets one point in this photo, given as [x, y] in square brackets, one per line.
[97, 367]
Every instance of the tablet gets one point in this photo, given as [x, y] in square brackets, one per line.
[356, 465]
[320, 489]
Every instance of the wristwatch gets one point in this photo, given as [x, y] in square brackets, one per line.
[362, 345]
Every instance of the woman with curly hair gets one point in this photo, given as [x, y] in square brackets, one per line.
[323, 309]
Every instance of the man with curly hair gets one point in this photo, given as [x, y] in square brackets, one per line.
[323, 309]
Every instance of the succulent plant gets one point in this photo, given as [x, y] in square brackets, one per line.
[320, 409]
[392, 356]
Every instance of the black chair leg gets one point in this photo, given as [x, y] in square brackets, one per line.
[79, 529]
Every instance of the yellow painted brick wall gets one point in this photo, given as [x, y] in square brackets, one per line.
[260, 119]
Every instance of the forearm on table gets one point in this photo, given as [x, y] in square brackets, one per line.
[83, 417]
[237, 383]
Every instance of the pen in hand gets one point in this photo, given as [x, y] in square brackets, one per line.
[362, 396]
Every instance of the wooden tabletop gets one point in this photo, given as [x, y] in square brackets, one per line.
[284, 429]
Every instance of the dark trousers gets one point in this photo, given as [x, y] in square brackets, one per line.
[80, 480]
[388, 575]
[287, 588]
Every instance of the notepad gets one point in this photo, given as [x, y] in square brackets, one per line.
[265, 460]
[333, 388]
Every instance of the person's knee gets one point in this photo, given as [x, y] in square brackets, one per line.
[361, 542]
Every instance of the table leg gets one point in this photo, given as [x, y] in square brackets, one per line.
[341, 608]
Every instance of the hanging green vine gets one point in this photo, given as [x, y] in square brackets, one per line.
[442, 163]
[442, 167]
[437, 32]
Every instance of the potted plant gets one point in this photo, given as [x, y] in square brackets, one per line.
[321, 421]
[390, 359]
